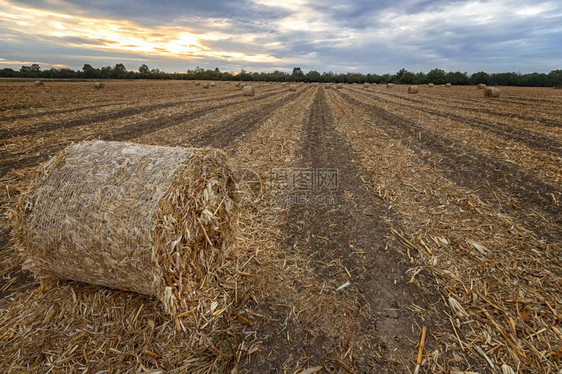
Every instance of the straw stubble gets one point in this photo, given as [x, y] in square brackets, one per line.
[149, 219]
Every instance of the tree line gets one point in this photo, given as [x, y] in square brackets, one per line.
[403, 76]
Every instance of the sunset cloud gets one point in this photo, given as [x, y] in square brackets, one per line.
[359, 35]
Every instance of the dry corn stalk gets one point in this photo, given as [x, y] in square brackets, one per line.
[154, 220]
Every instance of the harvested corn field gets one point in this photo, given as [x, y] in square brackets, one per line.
[378, 231]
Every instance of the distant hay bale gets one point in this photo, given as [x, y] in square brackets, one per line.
[447, 84]
[227, 82]
[237, 85]
[492, 92]
[98, 85]
[389, 85]
[339, 86]
[212, 84]
[481, 86]
[292, 87]
[430, 85]
[38, 83]
[154, 220]
[248, 91]
[205, 85]
[284, 83]
[413, 89]
[196, 83]
[366, 85]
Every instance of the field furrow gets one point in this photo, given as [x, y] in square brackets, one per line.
[474, 169]
[368, 214]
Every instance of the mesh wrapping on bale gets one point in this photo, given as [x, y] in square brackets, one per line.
[154, 220]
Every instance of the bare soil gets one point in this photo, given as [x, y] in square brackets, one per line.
[441, 195]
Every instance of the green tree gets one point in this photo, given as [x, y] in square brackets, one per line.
[407, 78]
[297, 74]
[143, 69]
[89, 71]
[457, 78]
[7, 72]
[436, 76]
[399, 74]
[555, 78]
[480, 77]
[119, 71]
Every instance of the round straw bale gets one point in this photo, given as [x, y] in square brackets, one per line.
[492, 92]
[196, 83]
[237, 85]
[205, 85]
[481, 86]
[38, 83]
[292, 87]
[430, 85]
[249, 91]
[212, 84]
[389, 85]
[154, 220]
[98, 85]
[339, 86]
[447, 84]
[413, 89]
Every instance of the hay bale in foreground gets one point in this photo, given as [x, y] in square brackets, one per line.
[153, 220]
[492, 92]
[413, 89]
[205, 85]
[212, 84]
[481, 86]
[38, 83]
[98, 85]
[248, 91]
[292, 87]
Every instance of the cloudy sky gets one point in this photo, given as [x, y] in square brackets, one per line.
[262, 35]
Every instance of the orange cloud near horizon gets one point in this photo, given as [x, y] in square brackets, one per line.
[121, 35]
